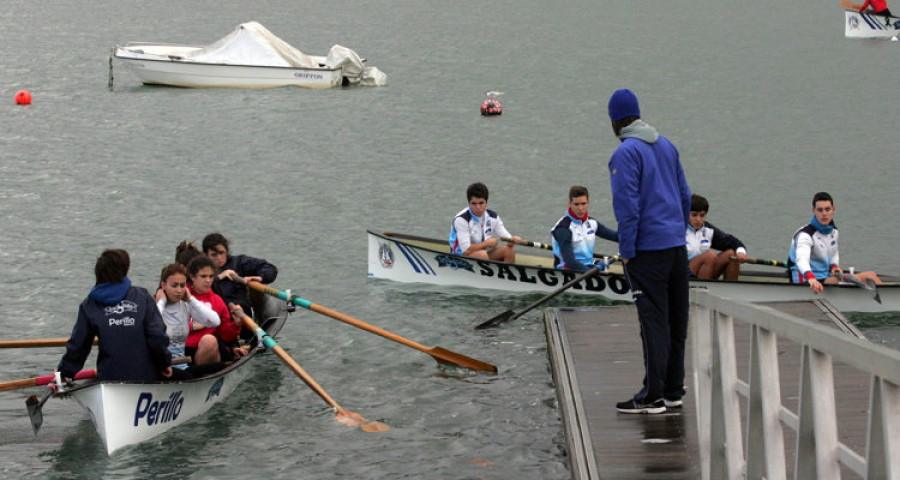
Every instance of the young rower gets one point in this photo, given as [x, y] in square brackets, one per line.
[814, 249]
[703, 239]
[181, 312]
[574, 234]
[476, 231]
[202, 272]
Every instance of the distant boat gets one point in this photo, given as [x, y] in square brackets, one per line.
[867, 24]
[413, 259]
[249, 57]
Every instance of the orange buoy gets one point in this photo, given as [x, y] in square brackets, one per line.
[23, 97]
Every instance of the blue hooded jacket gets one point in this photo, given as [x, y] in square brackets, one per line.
[133, 341]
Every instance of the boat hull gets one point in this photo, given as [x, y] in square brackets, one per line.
[412, 259]
[866, 25]
[128, 413]
[159, 70]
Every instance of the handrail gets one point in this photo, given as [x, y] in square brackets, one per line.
[819, 452]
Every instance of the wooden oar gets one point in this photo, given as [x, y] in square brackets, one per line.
[343, 415]
[43, 380]
[36, 343]
[546, 246]
[850, 5]
[868, 285]
[511, 315]
[760, 261]
[441, 355]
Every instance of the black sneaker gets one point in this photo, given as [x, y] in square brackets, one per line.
[631, 406]
[673, 403]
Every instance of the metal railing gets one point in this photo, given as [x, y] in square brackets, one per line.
[727, 452]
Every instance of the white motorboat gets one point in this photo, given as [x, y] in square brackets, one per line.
[249, 57]
[413, 259]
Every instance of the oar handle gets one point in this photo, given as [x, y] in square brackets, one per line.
[759, 261]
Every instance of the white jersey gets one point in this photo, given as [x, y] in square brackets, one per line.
[813, 251]
[467, 229]
[177, 317]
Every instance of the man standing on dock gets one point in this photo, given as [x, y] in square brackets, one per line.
[652, 204]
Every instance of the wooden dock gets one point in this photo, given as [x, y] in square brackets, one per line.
[597, 361]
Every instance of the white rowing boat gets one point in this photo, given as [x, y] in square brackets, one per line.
[412, 259]
[128, 413]
[249, 57]
[867, 25]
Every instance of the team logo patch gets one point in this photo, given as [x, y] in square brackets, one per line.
[854, 22]
[386, 255]
[453, 262]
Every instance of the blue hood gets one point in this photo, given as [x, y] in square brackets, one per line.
[110, 293]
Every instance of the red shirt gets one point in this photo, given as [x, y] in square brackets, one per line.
[877, 5]
[227, 331]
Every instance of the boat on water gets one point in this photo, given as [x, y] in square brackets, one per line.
[128, 413]
[413, 259]
[866, 24]
[249, 57]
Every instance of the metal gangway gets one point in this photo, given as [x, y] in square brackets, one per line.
[740, 422]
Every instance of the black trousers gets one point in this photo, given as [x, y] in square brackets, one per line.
[659, 284]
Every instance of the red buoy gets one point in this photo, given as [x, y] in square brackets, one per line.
[491, 106]
[23, 97]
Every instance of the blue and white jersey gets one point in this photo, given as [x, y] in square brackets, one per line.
[573, 241]
[813, 251]
[467, 229]
[708, 236]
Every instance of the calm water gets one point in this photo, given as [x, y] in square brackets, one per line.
[767, 105]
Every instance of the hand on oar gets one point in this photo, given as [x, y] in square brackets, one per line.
[441, 355]
[760, 261]
[511, 315]
[344, 416]
[36, 343]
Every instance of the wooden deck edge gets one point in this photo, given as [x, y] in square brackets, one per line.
[582, 462]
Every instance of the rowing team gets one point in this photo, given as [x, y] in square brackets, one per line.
[198, 312]
[476, 232]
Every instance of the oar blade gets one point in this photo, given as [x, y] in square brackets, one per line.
[352, 419]
[442, 355]
[870, 285]
[493, 322]
[35, 405]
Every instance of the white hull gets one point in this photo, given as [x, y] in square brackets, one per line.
[865, 25]
[130, 413]
[161, 70]
[410, 259]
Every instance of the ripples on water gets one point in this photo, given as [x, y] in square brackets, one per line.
[295, 176]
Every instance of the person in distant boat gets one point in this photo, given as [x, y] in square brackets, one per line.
[879, 7]
[574, 234]
[182, 312]
[703, 239]
[814, 249]
[476, 231]
[233, 271]
[201, 273]
[652, 203]
[133, 341]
